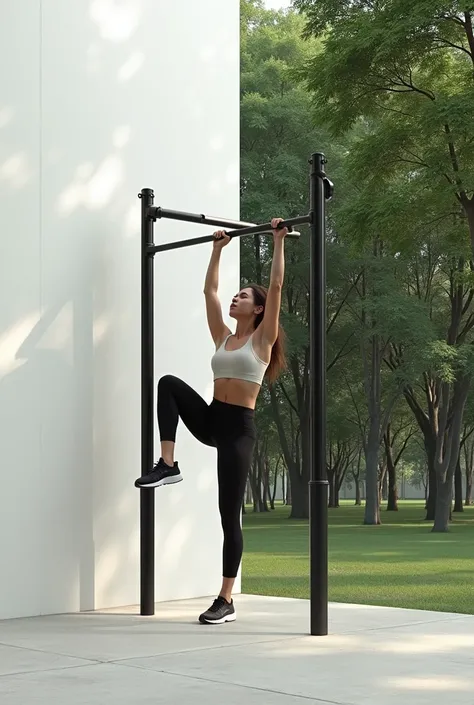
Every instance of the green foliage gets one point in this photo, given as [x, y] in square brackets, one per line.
[387, 91]
[405, 71]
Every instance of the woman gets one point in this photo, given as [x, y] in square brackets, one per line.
[241, 361]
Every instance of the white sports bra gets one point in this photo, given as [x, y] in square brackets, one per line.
[242, 363]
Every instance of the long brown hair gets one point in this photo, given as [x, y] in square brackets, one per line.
[278, 357]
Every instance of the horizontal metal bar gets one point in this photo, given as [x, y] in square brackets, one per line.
[251, 230]
[200, 218]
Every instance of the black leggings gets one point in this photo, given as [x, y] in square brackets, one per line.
[230, 429]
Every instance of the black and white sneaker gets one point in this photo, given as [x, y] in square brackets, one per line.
[162, 474]
[219, 612]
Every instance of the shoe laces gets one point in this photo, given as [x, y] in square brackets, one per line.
[217, 604]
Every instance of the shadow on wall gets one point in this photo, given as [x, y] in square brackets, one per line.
[55, 377]
[67, 394]
[48, 400]
[63, 375]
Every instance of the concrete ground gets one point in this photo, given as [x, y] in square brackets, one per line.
[373, 656]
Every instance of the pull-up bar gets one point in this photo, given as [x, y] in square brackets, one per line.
[248, 229]
[200, 218]
[321, 189]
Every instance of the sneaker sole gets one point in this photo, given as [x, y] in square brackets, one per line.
[228, 618]
[165, 481]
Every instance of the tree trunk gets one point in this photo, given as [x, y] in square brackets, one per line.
[382, 481]
[268, 497]
[430, 447]
[358, 500]
[468, 204]
[260, 483]
[392, 503]
[331, 478]
[392, 498]
[451, 448]
[372, 507]
[335, 478]
[469, 464]
[299, 500]
[288, 499]
[299, 479]
[265, 483]
[253, 484]
[385, 485]
[337, 489]
[372, 383]
[356, 476]
[298, 472]
[256, 479]
[443, 505]
[425, 426]
[249, 493]
[468, 500]
[458, 498]
[275, 486]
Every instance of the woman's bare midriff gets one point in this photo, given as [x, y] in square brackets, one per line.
[236, 391]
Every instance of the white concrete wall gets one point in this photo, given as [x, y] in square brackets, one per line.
[98, 99]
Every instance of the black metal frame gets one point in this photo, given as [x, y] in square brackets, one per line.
[321, 189]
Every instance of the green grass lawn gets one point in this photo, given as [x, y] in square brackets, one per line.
[398, 564]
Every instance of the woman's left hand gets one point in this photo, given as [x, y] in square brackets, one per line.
[278, 234]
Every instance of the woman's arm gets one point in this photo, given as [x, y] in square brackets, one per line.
[271, 317]
[215, 321]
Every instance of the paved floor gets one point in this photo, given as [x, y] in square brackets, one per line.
[373, 656]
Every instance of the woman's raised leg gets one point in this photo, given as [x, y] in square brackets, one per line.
[176, 400]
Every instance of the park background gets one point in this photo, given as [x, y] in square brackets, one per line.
[394, 117]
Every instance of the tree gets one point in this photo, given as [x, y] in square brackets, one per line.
[383, 315]
[468, 448]
[447, 365]
[467, 453]
[343, 440]
[412, 61]
[410, 94]
[396, 438]
[276, 140]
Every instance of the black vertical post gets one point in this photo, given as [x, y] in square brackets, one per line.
[318, 483]
[147, 496]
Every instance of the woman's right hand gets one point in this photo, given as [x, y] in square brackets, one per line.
[221, 239]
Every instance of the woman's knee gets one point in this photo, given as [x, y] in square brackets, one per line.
[231, 525]
[168, 382]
